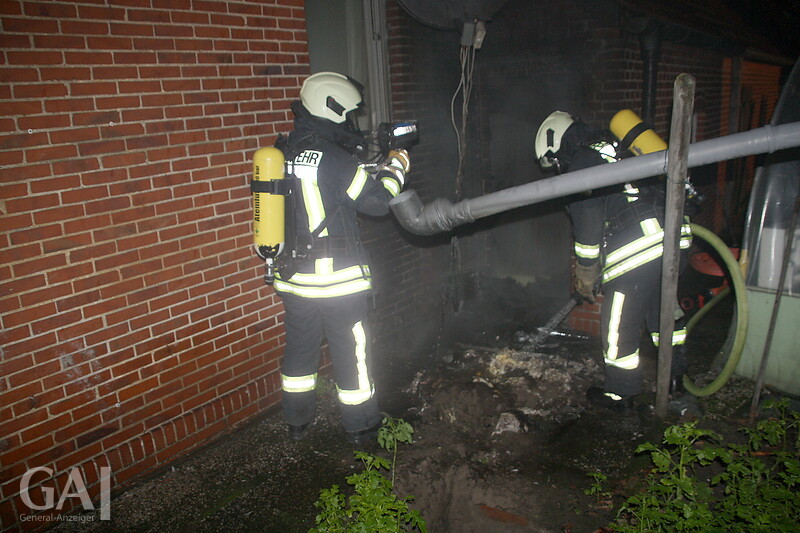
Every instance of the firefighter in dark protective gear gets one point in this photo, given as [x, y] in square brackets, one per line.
[325, 290]
[618, 233]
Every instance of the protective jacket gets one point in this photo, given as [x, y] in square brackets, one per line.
[599, 220]
[622, 227]
[332, 186]
[323, 291]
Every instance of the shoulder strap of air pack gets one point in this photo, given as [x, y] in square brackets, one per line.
[625, 142]
[298, 236]
[295, 148]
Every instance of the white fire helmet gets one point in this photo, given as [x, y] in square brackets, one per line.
[330, 95]
[548, 138]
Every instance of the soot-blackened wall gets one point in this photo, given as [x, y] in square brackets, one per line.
[537, 57]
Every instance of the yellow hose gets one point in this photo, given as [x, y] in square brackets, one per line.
[737, 279]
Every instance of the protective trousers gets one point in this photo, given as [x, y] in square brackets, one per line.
[342, 322]
[631, 301]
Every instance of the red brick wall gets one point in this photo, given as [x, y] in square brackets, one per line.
[135, 322]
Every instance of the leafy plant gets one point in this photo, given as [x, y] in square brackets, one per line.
[373, 506]
[761, 486]
[597, 489]
[757, 489]
[393, 431]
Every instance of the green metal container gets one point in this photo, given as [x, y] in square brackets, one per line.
[771, 223]
[782, 372]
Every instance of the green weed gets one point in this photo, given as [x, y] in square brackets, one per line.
[757, 489]
[373, 506]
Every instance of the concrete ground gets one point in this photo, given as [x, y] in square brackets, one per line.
[254, 479]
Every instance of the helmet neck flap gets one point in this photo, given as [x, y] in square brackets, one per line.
[345, 134]
[578, 134]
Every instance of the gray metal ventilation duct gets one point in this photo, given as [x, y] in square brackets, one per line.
[441, 215]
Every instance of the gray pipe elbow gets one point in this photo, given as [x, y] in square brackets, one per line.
[439, 216]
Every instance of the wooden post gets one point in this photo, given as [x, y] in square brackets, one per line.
[677, 167]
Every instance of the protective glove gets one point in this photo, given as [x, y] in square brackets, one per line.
[397, 164]
[586, 279]
[399, 159]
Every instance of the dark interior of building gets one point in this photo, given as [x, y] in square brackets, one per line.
[591, 59]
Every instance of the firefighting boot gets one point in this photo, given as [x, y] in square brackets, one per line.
[681, 402]
[297, 433]
[365, 436]
[608, 400]
[676, 387]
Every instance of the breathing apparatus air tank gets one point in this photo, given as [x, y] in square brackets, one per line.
[269, 200]
[634, 134]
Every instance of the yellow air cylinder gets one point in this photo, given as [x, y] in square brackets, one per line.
[630, 129]
[268, 205]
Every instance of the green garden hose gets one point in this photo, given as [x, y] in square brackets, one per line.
[735, 349]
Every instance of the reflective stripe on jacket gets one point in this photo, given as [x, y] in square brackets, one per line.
[334, 187]
[648, 247]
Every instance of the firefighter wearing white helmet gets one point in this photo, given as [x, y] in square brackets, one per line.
[618, 241]
[324, 290]
[548, 138]
[551, 138]
[330, 95]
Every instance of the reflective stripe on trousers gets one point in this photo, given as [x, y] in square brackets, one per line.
[678, 337]
[612, 356]
[299, 383]
[365, 389]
